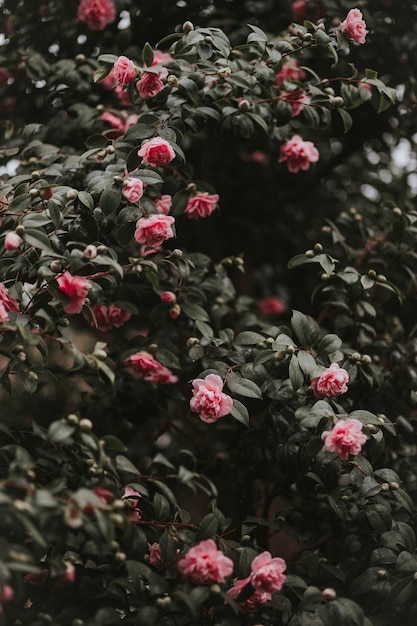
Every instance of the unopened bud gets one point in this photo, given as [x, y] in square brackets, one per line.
[329, 594]
[192, 341]
[290, 349]
[382, 573]
[381, 278]
[191, 188]
[318, 248]
[172, 80]
[224, 72]
[307, 37]
[338, 101]
[373, 428]
[372, 274]
[366, 358]
[72, 418]
[36, 175]
[120, 556]
[21, 356]
[33, 376]
[86, 424]
[55, 266]
[80, 58]
[215, 588]
[244, 106]
[175, 311]
[90, 252]
[72, 194]
[152, 348]
[393, 485]
[101, 154]
[309, 253]
[187, 27]
[177, 252]
[397, 211]
[34, 192]
[110, 149]
[355, 356]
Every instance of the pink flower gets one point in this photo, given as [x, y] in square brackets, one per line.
[204, 564]
[76, 290]
[295, 99]
[208, 399]
[258, 156]
[132, 189]
[354, 26]
[124, 71]
[272, 306]
[102, 319]
[289, 71]
[105, 495]
[117, 316]
[4, 316]
[114, 121]
[154, 230]
[132, 497]
[148, 368]
[96, 13]
[175, 311]
[156, 152]
[8, 303]
[68, 578]
[254, 601]
[155, 555]
[161, 57]
[345, 438]
[330, 383]
[163, 204]
[301, 12]
[12, 241]
[201, 205]
[168, 296]
[151, 84]
[6, 594]
[267, 573]
[298, 154]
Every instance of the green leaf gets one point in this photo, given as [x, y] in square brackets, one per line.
[346, 119]
[61, 431]
[208, 528]
[295, 373]
[110, 199]
[37, 238]
[243, 386]
[147, 55]
[240, 412]
[249, 338]
[194, 311]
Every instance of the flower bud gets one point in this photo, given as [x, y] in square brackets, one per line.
[90, 252]
[187, 27]
[397, 211]
[86, 424]
[192, 341]
[329, 594]
[152, 348]
[381, 278]
[80, 58]
[120, 556]
[172, 80]
[72, 194]
[175, 311]
[101, 155]
[318, 248]
[168, 297]
[309, 253]
[72, 418]
[55, 266]
[382, 573]
[224, 72]
[372, 273]
[12, 241]
[355, 356]
[338, 101]
[34, 192]
[36, 175]
[366, 358]
[191, 188]
[393, 485]
[244, 106]
[32, 376]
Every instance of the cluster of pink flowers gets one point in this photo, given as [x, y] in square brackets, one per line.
[156, 152]
[132, 189]
[96, 13]
[354, 26]
[267, 577]
[296, 99]
[124, 71]
[331, 383]
[202, 204]
[131, 496]
[154, 230]
[163, 204]
[145, 366]
[76, 290]
[272, 306]
[345, 438]
[289, 71]
[208, 399]
[151, 83]
[6, 304]
[298, 154]
[204, 564]
[109, 317]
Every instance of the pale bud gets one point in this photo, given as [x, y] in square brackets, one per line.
[12, 241]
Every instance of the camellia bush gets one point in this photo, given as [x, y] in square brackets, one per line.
[207, 314]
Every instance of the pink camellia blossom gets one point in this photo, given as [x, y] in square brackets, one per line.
[154, 230]
[6, 594]
[4, 316]
[105, 495]
[124, 71]
[268, 573]
[251, 604]
[175, 311]
[301, 12]
[96, 13]
[132, 496]
[102, 319]
[145, 366]
[8, 303]
[296, 99]
[163, 204]
[289, 71]
[150, 84]
[119, 123]
[168, 296]
[12, 241]
[117, 316]
[354, 26]
[298, 154]
[201, 205]
[208, 399]
[258, 156]
[345, 438]
[272, 306]
[161, 57]
[132, 189]
[76, 290]
[204, 564]
[68, 578]
[331, 383]
[155, 555]
[156, 152]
